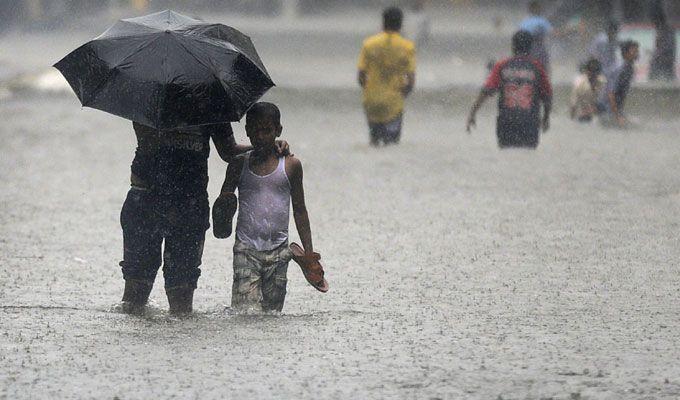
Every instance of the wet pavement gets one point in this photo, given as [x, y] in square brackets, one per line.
[456, 270]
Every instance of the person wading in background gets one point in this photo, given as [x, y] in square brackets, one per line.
[613, 97]
[540, 28]
[587, 88]
[605, 49]
[522, 85]
[387, 66]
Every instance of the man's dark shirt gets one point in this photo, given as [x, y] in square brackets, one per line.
[522, 83]
[175, 162]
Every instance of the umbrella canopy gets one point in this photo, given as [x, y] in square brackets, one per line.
[166, 70]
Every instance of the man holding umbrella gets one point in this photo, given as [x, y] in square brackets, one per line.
[180, 81]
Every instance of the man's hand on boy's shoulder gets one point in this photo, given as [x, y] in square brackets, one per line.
[282, 148]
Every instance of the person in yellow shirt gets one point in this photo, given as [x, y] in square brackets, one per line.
[387, 66]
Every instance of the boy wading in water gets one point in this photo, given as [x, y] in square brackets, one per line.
[613, 97]
[522, 85]
[266, 185]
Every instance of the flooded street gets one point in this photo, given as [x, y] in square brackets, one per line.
[456, 270]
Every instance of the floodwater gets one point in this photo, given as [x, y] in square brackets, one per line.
[457, 270]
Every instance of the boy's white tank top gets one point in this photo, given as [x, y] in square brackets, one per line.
[264, 207]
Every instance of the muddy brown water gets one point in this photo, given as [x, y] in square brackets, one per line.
[456, 270]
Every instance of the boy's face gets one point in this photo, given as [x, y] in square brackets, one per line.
[632, 54]
[263, 132]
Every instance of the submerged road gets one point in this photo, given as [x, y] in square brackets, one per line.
[456, 270]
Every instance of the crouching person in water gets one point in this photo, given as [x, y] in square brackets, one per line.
[166, 212]
[266, 184]
[587, 88]
[523, 85]
[613, 97]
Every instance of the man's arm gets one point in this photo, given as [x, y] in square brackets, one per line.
[481, 98]
[410, 71]
[361, 78]
[573, 100]
[492, 84]
[223, 137]
[546, 96]
[611, 98]
[297, 194]
[362, 65]
[410, 83]
[547, 108]
[614, 107]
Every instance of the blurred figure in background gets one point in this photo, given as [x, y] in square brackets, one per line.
[587, 88]
[139, 5]
[614, 96]
[387, 67]
[417, 24]
[662, 65]
[593, 14]
[540, 28]
[605, 49]
[523, 86]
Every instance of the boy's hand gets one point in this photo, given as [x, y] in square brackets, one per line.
[282, 148]
[471, 122]
[546, 124]
[222, 214]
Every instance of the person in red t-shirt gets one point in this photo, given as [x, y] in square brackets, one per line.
[522, 85]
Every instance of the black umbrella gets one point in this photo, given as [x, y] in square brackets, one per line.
[166, 70]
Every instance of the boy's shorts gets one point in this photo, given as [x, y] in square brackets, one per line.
[259, 277]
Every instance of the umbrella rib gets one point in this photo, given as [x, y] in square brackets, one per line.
[115, 68]
[210, 70]
[140, 48]
[241, 52]
[126, 36]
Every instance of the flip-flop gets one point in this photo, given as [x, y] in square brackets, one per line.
[311, 267]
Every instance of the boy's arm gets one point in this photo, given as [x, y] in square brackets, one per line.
[225, 205]
[410, 72]
[492, 84]
[297, 194]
